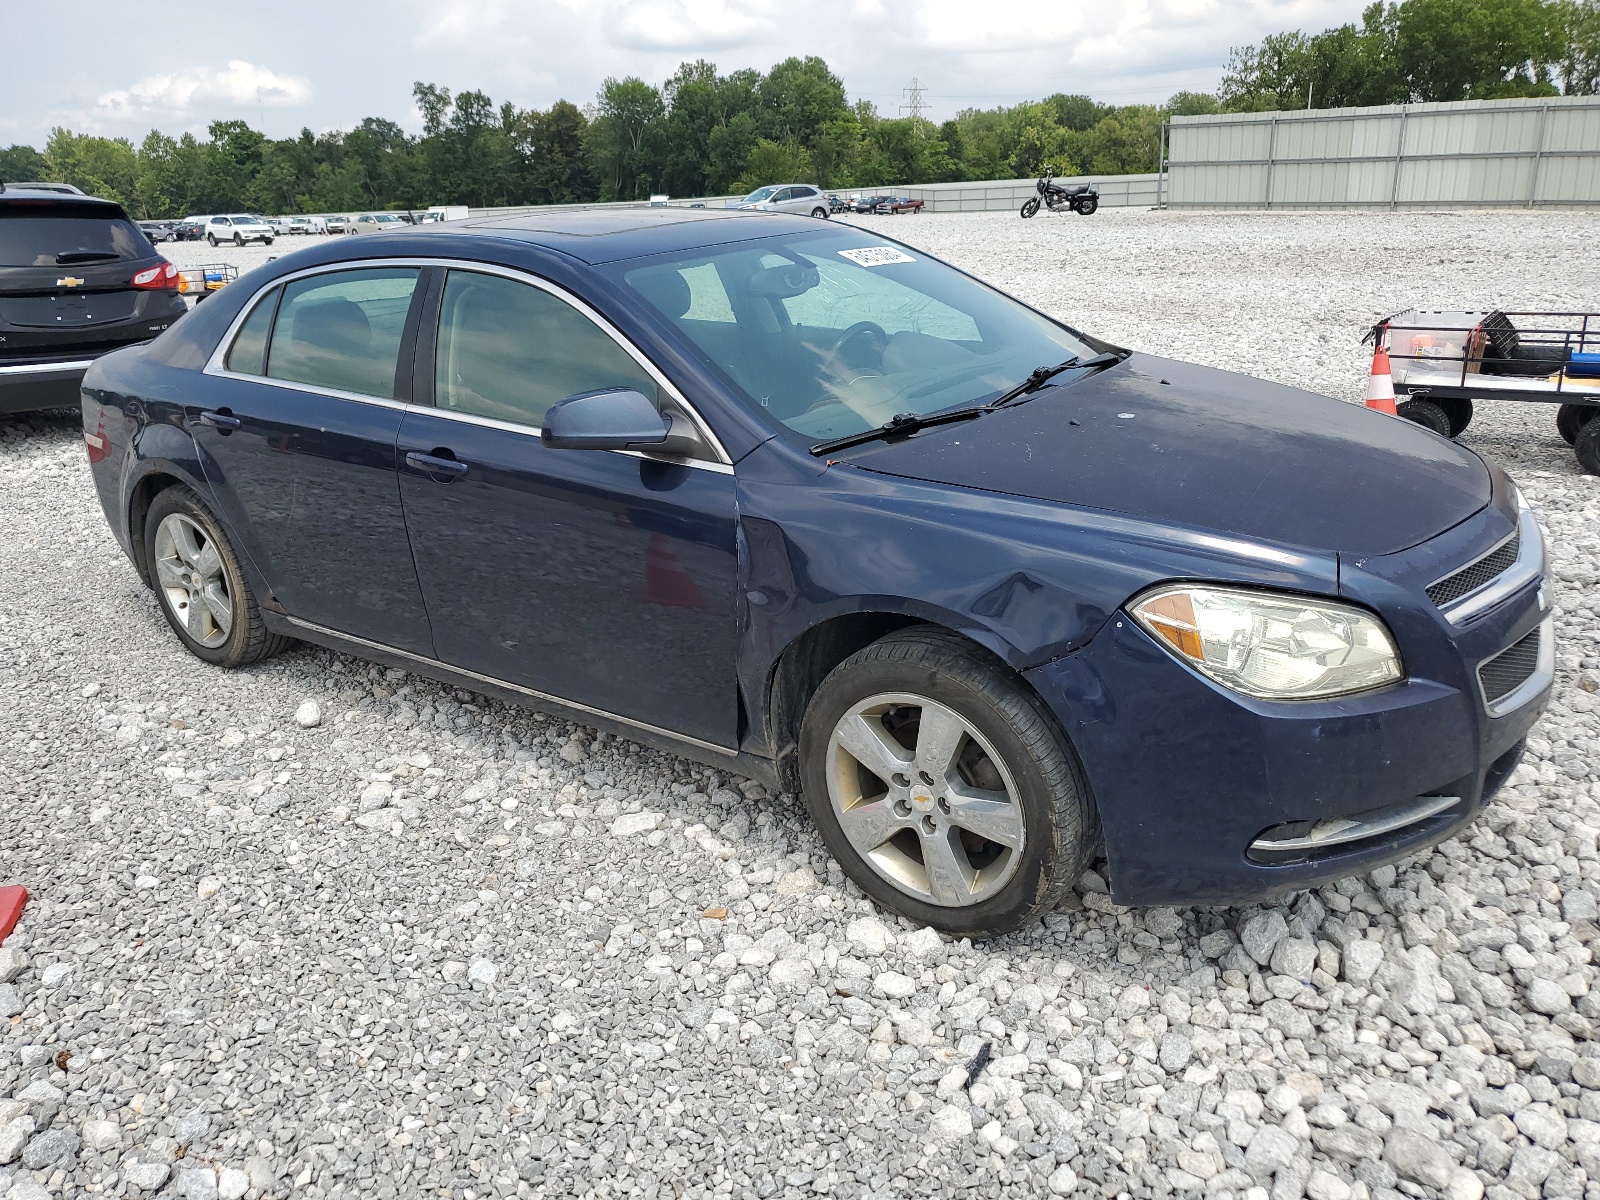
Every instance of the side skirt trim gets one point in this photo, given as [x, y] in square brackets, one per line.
[721, 756]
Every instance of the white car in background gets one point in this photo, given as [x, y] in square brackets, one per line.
[377, 223]
[239, 228]
[802, 198]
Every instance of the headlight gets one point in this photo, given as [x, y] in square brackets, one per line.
[1272, 646]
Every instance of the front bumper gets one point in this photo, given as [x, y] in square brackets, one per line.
[1187, 775]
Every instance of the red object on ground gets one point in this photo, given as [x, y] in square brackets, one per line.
[1380, 386]
[11, 901]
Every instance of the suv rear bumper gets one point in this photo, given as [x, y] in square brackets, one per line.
[44, 382]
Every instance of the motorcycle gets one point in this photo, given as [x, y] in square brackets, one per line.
[1082, 199]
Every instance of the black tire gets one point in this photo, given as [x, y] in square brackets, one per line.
[1587, 446]
[1427, 414]
[1571, 417]
[1060, 831]
[248, 640]
[820, 212]
[1030, 206]
[212, 238]
[1087, 205]
[1459, 410]
[266, 241]
[238, 240]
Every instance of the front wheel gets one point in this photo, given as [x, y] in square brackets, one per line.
[203, 592]
[1087, 205]
[1587, 446]
[1030, 206]
[1571, 417]
[210, 237]
[947, 792]
[1427, 414]
[266, 241]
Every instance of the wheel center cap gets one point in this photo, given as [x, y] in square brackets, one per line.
[921, 799]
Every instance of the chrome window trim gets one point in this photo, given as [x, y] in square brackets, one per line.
[54, 368]
[1543, 672]
[532, 693]
[1529, 565]
[216, 364]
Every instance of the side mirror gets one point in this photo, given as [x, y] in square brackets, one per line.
[614, 419]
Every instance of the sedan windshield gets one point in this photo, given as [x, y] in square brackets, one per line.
[834, 333]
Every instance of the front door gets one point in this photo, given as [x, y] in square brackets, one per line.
[298, 444]
[600, 578]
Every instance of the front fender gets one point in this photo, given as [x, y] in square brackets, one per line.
[1031, 581]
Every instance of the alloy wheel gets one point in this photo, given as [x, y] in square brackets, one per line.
[193, 580]
[924, 799]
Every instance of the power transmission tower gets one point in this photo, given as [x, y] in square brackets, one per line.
[915, 105]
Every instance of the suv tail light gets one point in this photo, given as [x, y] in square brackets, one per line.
[163, 277]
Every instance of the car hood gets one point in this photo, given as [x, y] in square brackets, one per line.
[1173, 442]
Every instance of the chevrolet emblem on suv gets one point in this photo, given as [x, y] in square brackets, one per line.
[69, 281]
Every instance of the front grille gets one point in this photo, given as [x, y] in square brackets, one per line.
[1510, 669]
[1475, 574]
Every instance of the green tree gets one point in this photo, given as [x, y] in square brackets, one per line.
[105, 167]
[22, 164]
[622, 137]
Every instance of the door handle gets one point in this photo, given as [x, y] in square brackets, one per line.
[220, 420]
[433, 464]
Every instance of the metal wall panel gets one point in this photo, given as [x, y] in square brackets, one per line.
[1503, 153]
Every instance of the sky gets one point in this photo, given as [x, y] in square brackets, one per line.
[98, 67]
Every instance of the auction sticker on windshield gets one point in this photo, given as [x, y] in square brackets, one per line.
[876, 256]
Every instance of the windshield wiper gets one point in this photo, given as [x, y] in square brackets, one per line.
[901, 423]
[69, 257]
[1043, 375]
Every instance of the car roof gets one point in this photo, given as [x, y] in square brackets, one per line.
[600, 235]
[58, 189]
[37, 197]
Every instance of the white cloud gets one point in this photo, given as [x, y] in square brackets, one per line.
[199, 90]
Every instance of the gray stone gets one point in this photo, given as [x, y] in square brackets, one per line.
[1361, 959]
[50, 1147]
[1175, 1053]
[1261, 934]
[1416, 1157]
[1295, 957]
[11, 1001]
[102, 1135]
[1349, 1143]
[1270, 1149]
[1546, 996]
[13, 962]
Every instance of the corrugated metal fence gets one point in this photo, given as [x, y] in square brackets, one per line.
[1505, 153]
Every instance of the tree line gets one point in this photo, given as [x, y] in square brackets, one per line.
[704, 133]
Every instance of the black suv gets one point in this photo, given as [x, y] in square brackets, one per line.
[77, 279]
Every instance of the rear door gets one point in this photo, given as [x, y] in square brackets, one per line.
[297, 432]
[605, 579]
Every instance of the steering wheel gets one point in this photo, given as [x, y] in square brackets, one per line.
[860, 329]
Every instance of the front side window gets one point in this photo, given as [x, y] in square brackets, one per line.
[343, 330]
[509, 350]
[833, 333]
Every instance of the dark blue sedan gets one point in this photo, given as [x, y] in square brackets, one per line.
[995, 597]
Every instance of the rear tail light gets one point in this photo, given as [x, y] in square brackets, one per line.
[163, 277]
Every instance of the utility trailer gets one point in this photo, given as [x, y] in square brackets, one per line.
[1444, 361]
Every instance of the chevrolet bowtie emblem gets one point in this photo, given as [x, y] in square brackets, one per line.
[69, 281]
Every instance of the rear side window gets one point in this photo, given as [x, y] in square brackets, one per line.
[343, 330]
[46, 236]
[248, 354]
[509, 350]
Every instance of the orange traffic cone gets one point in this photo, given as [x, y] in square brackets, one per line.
[1380, 387]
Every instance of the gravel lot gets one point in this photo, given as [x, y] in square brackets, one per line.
[434, 945]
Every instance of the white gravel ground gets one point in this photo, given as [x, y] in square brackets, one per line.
[433, 945]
